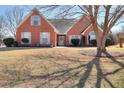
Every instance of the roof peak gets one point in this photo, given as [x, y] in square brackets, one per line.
[35, 10]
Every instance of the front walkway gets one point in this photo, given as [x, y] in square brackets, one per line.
[61, 47]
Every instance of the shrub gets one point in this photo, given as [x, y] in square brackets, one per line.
[75, 42]
[113, 37]
[108, 42]
[93, 42]
[8, 42]
[25, 40]
[15, 44]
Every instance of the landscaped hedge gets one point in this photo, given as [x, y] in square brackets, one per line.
[93, 42]
[75, 42]
[108, 42]
[8, 42]
[15, 44]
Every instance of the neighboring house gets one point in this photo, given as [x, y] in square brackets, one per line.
[55, 32]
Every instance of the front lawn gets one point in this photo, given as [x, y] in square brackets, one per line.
[59, 67]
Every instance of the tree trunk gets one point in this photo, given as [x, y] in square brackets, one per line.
[103, 43]
[120, 40]
[100, 40]
[99, 52]
[101, 47]
[100, 43]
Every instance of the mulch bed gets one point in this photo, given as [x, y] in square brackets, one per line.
[93, 53]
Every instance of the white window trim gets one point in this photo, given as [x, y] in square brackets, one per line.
[41, 37]
[38, 22]
[70, 37]
[22, 33]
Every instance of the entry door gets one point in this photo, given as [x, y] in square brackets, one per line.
[44, 38]
[61, 40]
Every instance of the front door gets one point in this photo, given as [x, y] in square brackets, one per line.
[61, 40]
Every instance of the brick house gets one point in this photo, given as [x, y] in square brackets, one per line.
[56, 32]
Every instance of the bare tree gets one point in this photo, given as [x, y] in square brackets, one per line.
[2, 28]
[92, 12]
[13, 18]
[54, 11]
[111, 18]
[112, 14]
[122, 29]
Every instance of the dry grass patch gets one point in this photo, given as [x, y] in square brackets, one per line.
[58, 67]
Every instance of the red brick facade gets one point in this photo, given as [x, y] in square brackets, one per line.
[35, 30]
[82, 27]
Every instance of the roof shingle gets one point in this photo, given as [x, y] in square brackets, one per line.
[62, 25]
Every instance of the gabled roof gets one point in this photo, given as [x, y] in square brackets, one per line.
[84, 20]
[25, 18]
[88, 27]
[62, 25]
[35, 10]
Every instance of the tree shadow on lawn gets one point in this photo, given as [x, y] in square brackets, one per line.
[65, 75]
[82, 71]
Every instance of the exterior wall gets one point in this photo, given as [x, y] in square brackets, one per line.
[35, 30]
[77, 28]
[90, 29]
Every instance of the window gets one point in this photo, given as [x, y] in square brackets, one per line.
[73, 37]
[35, 20]
[45, 38]
[92, 35]
[26, 35]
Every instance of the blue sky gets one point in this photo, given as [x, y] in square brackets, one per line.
[3, 8]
